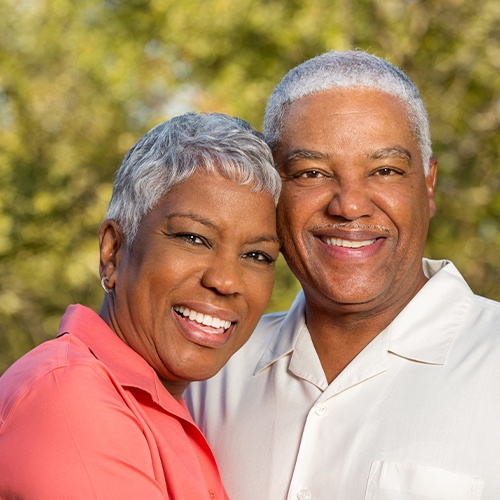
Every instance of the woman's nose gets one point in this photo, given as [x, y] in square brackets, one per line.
[224, 275]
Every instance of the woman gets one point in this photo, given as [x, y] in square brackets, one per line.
[187, 256]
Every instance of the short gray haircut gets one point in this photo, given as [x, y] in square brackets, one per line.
[347, 69]
[174, 150]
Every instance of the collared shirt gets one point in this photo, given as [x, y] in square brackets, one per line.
[84, 416]
[415, 415]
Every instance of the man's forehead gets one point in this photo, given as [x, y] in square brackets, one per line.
[345, 99]
[317, 112]
[361, 121]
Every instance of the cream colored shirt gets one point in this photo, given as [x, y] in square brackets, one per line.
[416, 415]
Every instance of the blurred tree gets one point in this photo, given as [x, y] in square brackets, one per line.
[81, 81]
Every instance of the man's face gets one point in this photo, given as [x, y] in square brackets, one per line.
[356, 204]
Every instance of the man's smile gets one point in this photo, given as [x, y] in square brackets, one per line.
[340, 242]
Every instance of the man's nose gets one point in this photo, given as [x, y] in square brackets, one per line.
[351, 200]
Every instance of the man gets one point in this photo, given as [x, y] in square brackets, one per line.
[383, 379]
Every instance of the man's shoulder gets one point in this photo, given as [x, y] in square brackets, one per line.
[483, 319]
[447, 287]
[488, 304]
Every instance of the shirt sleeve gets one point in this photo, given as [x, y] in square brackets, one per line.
[73, 434]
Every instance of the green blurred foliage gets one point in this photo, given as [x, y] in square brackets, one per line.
[81, 81]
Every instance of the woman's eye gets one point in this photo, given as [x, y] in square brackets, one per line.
[192, 239]
[259, 257]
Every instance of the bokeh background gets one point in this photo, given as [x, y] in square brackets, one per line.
[80, 82]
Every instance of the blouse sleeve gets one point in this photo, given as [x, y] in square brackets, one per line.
[72, 435]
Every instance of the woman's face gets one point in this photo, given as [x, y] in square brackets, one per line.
[190, 290]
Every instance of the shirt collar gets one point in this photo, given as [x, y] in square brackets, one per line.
[445, 288]
[128, 367]
[427, 338]
[292, 327]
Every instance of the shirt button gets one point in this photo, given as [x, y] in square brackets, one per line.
[304, 494]
[320, 410]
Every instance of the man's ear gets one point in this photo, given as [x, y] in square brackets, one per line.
[111, 245]
[430, 181]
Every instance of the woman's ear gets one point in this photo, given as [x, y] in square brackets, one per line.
[111, 243]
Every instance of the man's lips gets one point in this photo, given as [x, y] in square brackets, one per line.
[340, 242]
[349, 235]
[351, 241]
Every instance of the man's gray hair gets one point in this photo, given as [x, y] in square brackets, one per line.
[347, 69]
[174, 150]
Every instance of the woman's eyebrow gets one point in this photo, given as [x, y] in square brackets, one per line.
[195, 217]
[266, 238]
[191, 216]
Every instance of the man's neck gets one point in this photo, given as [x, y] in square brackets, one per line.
[340, 332]
[340, 341]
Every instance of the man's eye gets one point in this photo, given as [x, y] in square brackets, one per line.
[387, 171]
[259, 257]
[310, 174]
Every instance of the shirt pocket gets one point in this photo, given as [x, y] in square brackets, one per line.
[400, 481]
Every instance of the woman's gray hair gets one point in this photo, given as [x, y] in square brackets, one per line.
[347, 69]
[174, 150]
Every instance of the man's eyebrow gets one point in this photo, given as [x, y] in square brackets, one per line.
[393, 152]
[304, 154]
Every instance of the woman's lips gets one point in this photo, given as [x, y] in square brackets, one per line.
[203, 319]
[203, 329]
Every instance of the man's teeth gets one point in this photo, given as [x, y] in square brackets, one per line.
[339, 242]
[203, 319]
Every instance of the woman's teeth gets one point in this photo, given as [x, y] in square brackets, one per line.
[203, 319]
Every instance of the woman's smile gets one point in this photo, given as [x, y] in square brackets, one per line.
[217, 324]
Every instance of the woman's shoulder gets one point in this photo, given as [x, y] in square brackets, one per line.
[48, 369]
